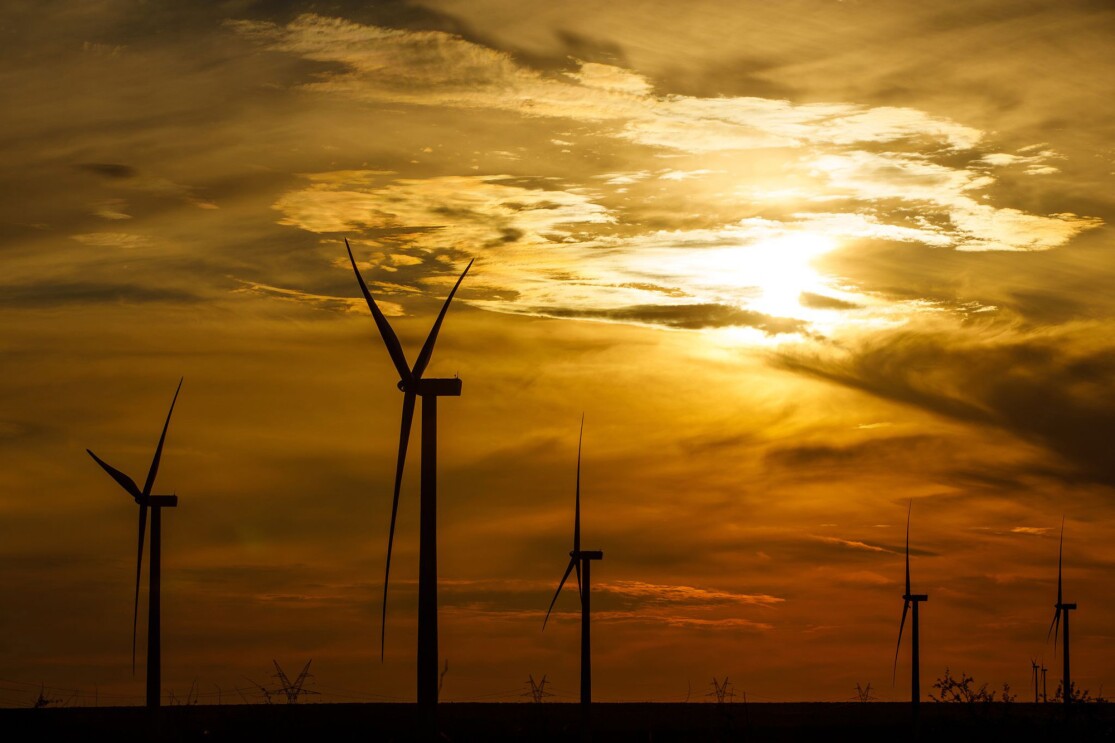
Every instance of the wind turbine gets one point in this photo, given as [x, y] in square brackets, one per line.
[156, 503]
[414, 386]
[911, 599]
[1034, 676]
[1061, 608]
[581, 561]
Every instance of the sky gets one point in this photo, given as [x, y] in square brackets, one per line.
[802, 266]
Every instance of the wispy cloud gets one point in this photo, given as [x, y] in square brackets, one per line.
[689, 595]
[853, 544]
[341, 304]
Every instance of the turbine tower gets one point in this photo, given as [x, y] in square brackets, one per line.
[414, 386]
[581, 561]
[1062, 609]
[911, 599]
[156, 503]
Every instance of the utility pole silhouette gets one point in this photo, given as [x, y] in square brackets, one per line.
[581, 561]
[414, 386]
[263, 690]
[722, 690]
[1062, 609]
[43, 700]
[293, 689]
[156, 503]
[911, 599]
[537, 691]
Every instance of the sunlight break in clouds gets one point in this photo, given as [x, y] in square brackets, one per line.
[549, 246]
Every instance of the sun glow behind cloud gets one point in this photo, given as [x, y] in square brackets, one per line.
[552, 246]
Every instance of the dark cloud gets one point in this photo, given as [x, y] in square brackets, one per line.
[820, 460]
[588, 49]
[65, 293]
[821, 302]
[1050, 391]
[669, 291]
[741, 76]
[108, 170]
[686, 316]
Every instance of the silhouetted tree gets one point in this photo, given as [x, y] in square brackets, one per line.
[950, 689]
[1078, 694]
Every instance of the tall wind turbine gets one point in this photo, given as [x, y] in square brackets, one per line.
[911, 599]
[1062, 609]
[156, 503]
[581, 561]
[414, 386]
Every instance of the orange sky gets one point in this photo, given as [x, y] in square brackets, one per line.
[797, 263]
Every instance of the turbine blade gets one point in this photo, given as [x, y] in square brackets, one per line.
[139, 569]
[385, 332]
[1060, 552]
[1055, 625]
[909, 510]
[159, 449]
[905, 608]
[404, 438]
[125, 482]
[428, 347]
[572, 562]
[577, 511]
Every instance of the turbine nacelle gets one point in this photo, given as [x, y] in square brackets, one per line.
[916, 597]
[587, 555]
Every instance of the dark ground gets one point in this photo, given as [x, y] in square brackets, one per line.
[863, 723]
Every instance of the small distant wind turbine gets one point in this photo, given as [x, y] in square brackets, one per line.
[156, 503]
[911, 599]
[581, 561]
[1034, 676]
[1062, 609]
[413, 386]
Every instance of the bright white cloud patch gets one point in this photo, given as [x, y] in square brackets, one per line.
[464, 212]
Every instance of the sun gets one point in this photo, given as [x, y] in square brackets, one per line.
[782, 269]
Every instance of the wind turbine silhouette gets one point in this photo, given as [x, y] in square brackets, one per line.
[581, 561]
[156, 503]
[910, 599]
[1034, 676]
[413, 386]
[1061, 608]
